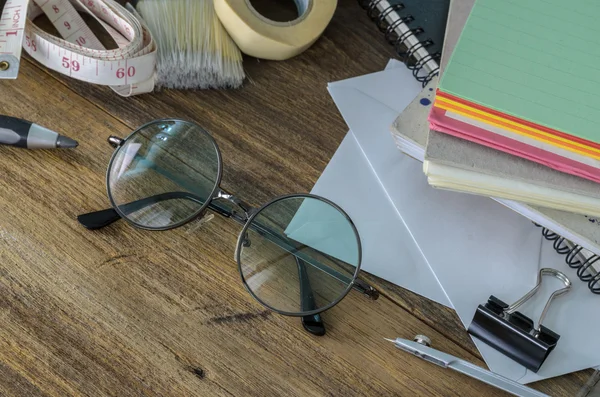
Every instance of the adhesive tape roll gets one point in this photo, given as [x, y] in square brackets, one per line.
[263, 38]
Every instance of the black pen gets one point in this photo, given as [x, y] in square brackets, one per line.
[25, 134]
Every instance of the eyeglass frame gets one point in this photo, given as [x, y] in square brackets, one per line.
[310, 319]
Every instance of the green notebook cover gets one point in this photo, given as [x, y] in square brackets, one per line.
[533, 59]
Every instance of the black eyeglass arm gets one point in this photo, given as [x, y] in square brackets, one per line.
[313, 324]
[99, 219]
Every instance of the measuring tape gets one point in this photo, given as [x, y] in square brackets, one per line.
[129, 69]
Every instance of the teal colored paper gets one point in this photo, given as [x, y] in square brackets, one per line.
[533, 59]
[322, 227]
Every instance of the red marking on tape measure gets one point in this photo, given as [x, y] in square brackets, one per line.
[78, 44]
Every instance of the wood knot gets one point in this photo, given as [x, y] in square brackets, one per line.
[197, 371]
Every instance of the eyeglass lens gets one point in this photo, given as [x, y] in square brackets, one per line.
[171, 164]
[299, 254]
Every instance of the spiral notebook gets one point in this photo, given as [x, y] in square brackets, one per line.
[416, 30]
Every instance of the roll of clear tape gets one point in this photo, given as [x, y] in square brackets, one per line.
[263, 38]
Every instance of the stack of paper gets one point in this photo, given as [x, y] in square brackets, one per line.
[410, 131]
[456, 249]
[466, 166]
[508, 84]
[459, 164]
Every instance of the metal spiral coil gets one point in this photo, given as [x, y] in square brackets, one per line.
[412, 50]
[380, 19]
[421, 63]
[575, 259]
[371, 7]
[399, 41]
[390, 31]
[594, 284]
[561, 246]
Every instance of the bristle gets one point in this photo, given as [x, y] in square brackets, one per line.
[194, 49]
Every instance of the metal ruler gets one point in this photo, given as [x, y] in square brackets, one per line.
[129, 69]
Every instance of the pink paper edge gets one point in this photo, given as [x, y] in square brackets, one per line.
[439, 122]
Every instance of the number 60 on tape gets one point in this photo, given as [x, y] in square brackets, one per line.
[78, 53]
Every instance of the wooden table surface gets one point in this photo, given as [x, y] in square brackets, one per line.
[126, 312]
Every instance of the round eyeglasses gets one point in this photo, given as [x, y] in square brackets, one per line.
[298, 254]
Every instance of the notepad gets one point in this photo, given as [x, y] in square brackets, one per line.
[412, 134]
[533, 59]
[527, 71]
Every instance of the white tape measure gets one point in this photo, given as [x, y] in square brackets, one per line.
[129, 70]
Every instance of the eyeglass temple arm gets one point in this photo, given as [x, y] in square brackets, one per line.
[313, 324]
[99, 219]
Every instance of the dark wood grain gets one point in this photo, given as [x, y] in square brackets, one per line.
[125, 312]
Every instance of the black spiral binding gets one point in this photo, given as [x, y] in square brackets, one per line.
[585, 272]
[399, 41]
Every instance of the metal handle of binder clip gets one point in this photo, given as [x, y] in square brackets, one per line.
[543, 272]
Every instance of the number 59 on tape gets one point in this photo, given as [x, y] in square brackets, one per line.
[78, 53]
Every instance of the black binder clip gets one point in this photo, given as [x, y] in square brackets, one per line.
[505, 329]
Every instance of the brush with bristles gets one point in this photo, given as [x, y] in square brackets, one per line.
[194, 49]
